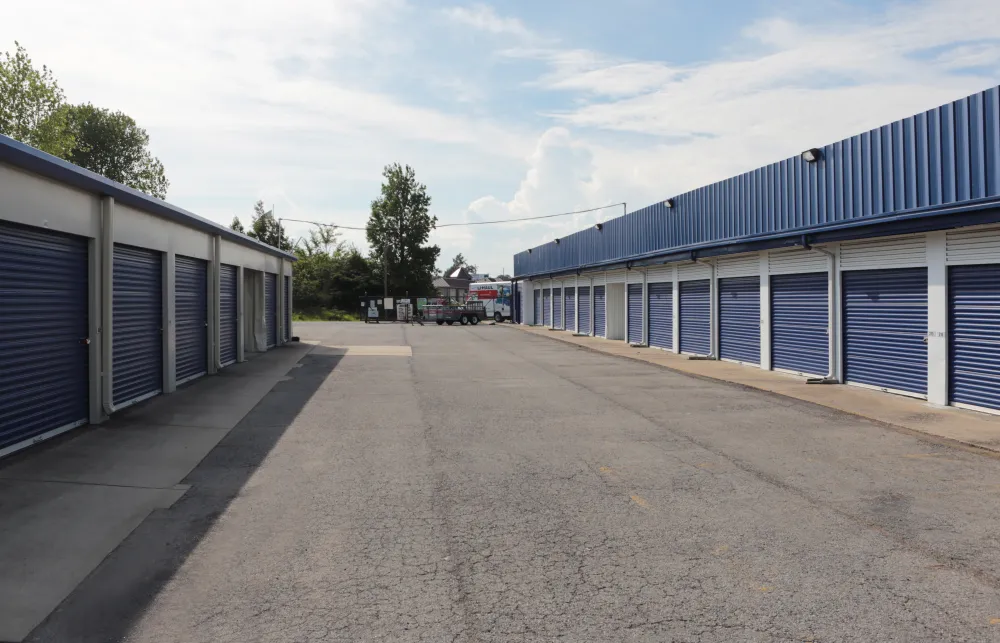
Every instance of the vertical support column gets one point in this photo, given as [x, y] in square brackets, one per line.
[280, 304]
[552, 303]
[214, 302]
[765, 311]
[290, 298]
[576, 305]
[169, 317]
[833, 292]
[107, 289]
[240, 317]
[645, 307]
[937, 318]
[628, 281]
[713, 309]
[676, 307]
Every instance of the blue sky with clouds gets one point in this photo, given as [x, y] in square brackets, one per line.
[505, 109]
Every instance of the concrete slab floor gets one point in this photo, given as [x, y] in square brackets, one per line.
[68, 503]
[971, 428]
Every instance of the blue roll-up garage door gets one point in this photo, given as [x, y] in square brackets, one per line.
[538, 307]
[739, 319]
[584, 298]
[661, 315]
[974, 342]
[695, 314]
[546, 307]
[271, 308]
[557, 307]
[137, 327]
[799, 323]
[570, 308]
[43, 335]
[885, 324]
[600, 314]
[287, 331]
[191, 317]
[635, 313]
[228, 314]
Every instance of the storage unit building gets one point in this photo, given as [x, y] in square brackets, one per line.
[570, 307]
[108, 296]
[869, 261]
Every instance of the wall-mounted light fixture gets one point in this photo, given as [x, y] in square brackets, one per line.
[529, 251]
[812, 155]
[557, 240]
[669, 203]
[599, 226]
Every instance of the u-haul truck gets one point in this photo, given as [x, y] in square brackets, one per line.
[495, 295]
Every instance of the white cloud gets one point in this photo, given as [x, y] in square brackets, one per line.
[485, 18]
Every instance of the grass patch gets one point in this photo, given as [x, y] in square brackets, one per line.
[324, 314]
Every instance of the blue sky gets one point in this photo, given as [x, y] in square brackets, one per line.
[505, 109]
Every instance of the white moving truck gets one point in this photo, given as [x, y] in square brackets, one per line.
[495, 295]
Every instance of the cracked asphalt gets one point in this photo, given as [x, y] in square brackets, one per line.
[498, 486]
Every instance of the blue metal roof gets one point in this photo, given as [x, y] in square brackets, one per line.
[25, 157]
[933, 166]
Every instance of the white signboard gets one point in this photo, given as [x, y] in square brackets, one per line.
[388, 303]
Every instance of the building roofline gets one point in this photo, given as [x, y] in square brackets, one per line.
[25, 157]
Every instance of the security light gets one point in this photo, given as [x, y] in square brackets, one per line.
[529, 251]
[669, 203]
[557, 240]
[599, 226]
[812, 155]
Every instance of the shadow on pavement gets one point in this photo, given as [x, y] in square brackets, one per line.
[104, 606]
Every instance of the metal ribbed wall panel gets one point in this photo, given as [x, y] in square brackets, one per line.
[287, 312]
[570, 308]
[271, 308]
[635, 313]
[976, 246]
[800, 316]
[138, 324]
[228, 313]
[974, 328]
[742, 266]
[538, 307]
[557, 308]
[43, 328]
[739, 319]
[940, 157]
[600, 312]
[191, 317]
[584, 298]
[897, 252]
[785, 262]
[615, 277]
[546, 306]
[885, 323]
[692, 271]
[661, 315]
[695, 317]
[660, 273]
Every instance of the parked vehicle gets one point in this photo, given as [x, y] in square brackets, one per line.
[472, 312]
[496, 298]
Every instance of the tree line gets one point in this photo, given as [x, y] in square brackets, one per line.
[33, 110]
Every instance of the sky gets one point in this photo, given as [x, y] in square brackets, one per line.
[504, 110]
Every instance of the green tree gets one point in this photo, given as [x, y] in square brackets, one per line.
[32, 105]
[460, 262]
[237, 225]
[264, 227]
[397, 230]
[113, 145]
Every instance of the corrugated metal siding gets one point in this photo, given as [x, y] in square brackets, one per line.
[739, 319]
[742, 266]
[695, 315]
[885, 323]
[635, 313]
[228, 313]
[271, 308]
[800, 313]
[942, 156]
[43, 328]
[897, 252]
[974, 329]
[598, 278]
[557, 321]
[584, 298]
[538, 307]
[138, 324]
[570, 307]
[784, 262]
[615, 277]
[191, 317]
[661, 314]
[660, 273]
[692, 271]
[546, 306]
[600, 312]
[976, 246]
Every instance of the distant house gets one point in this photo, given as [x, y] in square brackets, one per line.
[454, 284]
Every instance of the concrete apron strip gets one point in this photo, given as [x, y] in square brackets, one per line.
[969, 428]
[363, 351]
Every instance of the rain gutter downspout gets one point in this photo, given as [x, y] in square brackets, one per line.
[107, 302]
[831, 312]
[713, 307]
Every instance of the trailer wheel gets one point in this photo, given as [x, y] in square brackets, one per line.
[498, 318]
[474, 320]
[440, 322]
[464, 320]
[450, 322]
